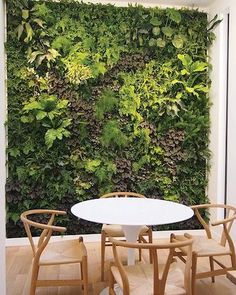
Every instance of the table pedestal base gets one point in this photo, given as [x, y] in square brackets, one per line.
[131, 235]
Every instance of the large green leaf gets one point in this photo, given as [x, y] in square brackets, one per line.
[199, 66]
[155, 21]
[168, 31]
[152, 42]
[160, 42]
[178, 41]
[62, 104]
[50, 137]
[91, 165]
[41, 115]
[19, 30]
[174, 15]
[25, 13]
[34, 105]
[38, 21]
[156, 31]
[29, 32]
[185, 59]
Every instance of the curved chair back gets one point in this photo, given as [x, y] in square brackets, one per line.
[73, 251]
[227, 222]
[123, 194]
[211, 248]
[159, 275]
[46, 229]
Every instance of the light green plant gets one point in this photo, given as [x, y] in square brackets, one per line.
[25, 28]
[112, 135]
[49, 111]
[39, 56]
[106, 103]
[81, 65]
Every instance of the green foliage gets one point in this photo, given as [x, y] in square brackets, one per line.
[82, 65]
[105, 98]
[76, 65]
[49, 55]
[48, 111]
[112, 135]
[102, 170]
[28, 21]
[174, 15]
[106, 103]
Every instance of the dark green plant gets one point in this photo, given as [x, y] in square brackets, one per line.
[106, 103]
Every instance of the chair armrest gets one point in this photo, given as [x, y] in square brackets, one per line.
[223, 221]
[44, 211]
[49, 226]
[201, 206]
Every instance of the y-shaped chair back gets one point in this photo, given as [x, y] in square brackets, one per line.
[67, 252]
[161, 277]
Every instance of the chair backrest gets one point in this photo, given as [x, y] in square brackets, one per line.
[123, 194]
[159, 273]
[46, 229]
[226, 223]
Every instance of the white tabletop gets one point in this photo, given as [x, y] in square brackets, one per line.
[132, 211]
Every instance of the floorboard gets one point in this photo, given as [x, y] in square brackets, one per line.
[18, 263]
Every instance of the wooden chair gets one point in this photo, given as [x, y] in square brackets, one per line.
[160, 277]
[208, 246]
[112, 230]
[46, 254]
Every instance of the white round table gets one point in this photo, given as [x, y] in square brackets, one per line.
[131, 214]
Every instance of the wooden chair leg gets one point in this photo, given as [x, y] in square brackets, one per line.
[150, 241]
[212, 268]
[111, 283]
[140, 250]
[84, 275]
[103, 241]
[194, 271]
[34, 278]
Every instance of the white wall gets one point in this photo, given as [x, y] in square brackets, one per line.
[202, 4]
[216, 184]
[2, 152]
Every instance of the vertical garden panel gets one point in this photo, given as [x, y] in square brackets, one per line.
[104, 98]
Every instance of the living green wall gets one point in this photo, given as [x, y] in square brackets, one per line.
[104, 98]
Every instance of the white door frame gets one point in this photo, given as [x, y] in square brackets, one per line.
[2, 150]
[222, 182]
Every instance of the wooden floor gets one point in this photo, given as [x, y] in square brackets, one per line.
[18, 275]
